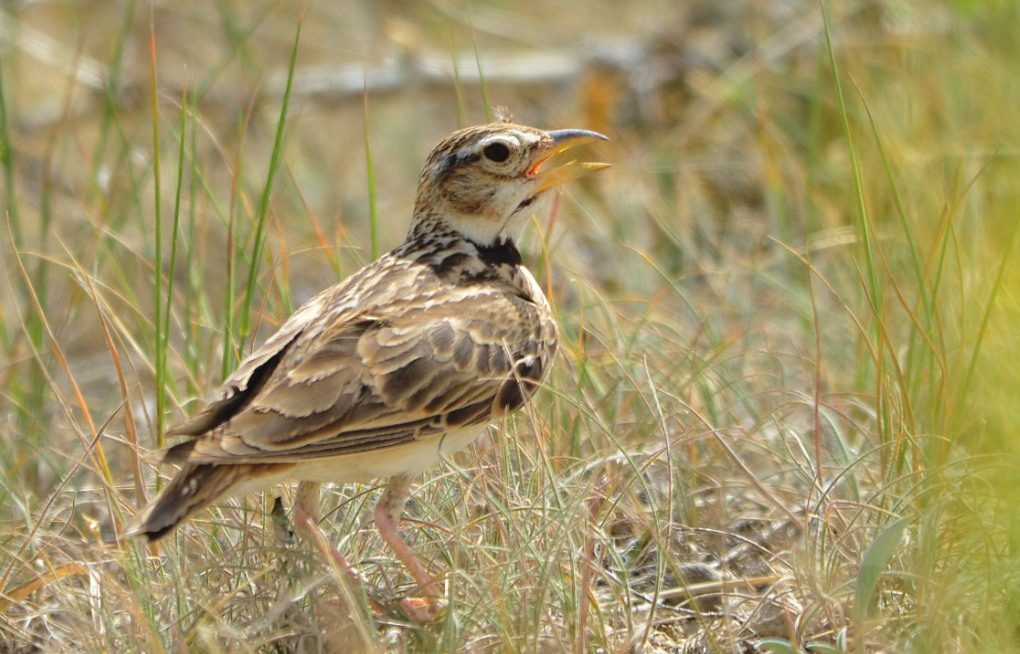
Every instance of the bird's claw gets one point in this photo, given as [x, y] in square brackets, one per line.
[423, 610]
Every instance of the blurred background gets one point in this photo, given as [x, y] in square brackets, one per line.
[789, 307]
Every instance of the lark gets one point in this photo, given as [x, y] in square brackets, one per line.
[401, 364]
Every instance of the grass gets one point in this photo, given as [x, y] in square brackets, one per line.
[782, 416]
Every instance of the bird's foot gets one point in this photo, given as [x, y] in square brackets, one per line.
[423, 610]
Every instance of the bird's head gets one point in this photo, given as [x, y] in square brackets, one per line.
[478, 181]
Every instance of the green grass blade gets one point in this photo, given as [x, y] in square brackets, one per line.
[263, 208]
[373, 205]
[7, 164]
[175, 234]
[986, 315]
[864, 222]
[160, 343]
[874, 563]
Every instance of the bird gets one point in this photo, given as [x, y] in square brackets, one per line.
[399, 365]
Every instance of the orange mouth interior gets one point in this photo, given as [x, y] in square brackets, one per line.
[538, 164]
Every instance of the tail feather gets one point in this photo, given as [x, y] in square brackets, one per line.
[195, 487]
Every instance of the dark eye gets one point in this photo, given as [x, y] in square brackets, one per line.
[497, 152]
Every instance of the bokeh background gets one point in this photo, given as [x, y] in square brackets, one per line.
[785, 414]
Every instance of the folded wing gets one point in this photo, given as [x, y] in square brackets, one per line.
[372, 380]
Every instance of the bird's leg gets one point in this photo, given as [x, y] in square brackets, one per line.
[387, 520]
[305, 515]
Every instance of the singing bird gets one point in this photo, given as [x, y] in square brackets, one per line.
[404, 362]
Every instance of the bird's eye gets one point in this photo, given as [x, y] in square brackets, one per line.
[497, 152]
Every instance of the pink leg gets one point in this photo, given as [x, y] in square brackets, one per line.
[305, 515]
[387, 517]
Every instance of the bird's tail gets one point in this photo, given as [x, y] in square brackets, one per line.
[195, 487]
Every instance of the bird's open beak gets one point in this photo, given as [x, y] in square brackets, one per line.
[562, 140]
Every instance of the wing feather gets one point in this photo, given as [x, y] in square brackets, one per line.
[381, 377]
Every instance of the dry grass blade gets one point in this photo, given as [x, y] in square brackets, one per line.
[21, 592]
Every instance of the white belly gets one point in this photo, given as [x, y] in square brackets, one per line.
[409, 459]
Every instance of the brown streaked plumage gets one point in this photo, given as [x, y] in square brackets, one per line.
[402, 363]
